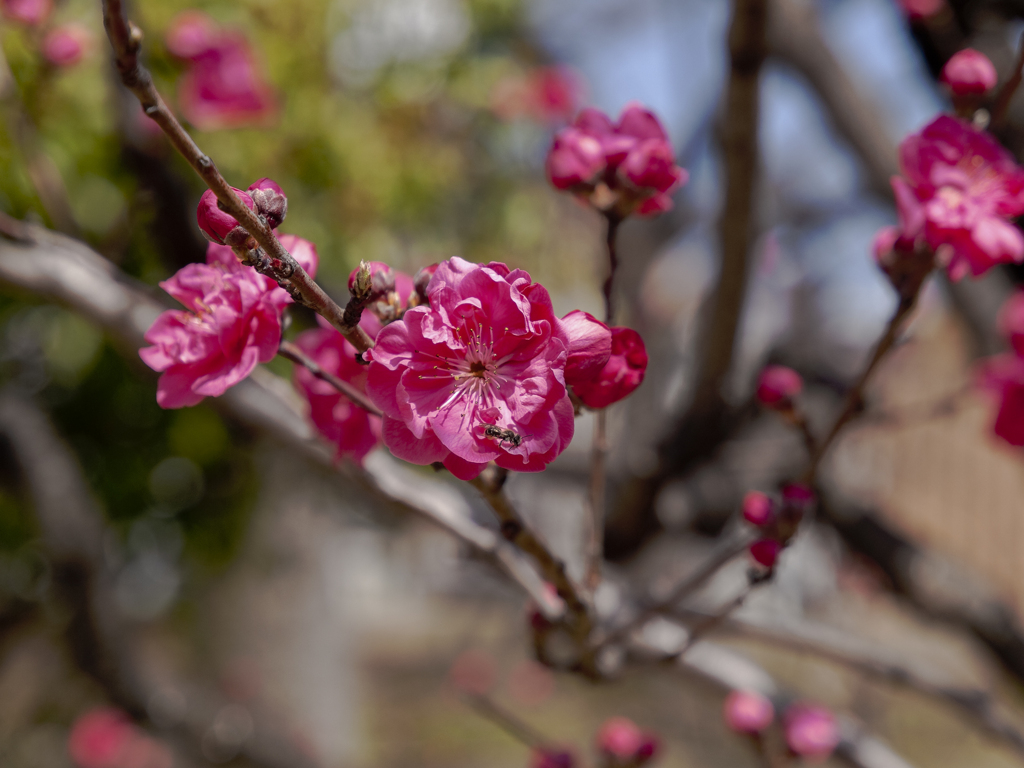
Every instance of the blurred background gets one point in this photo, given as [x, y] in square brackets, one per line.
[274, 608]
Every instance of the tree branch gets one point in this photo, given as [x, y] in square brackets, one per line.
[292, 352]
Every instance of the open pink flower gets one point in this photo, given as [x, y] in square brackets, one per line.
[1004, 377]
[223, 88]
[233, 322]
[969, 72]
[623, 167]
[475, 376]
[623, 372]
[352, 430]
[968, 187]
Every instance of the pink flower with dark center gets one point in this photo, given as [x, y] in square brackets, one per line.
[758, 509]
[29, 12]
[811, 731]
[1011, 321]
[748, 712]
[1004, 377]
[65, 46]
[216, 224]
[475, 376]
[233, 322]
[623, 372]
[969, 72]
[777, 386]
[190, 34]
[765, 552]
[100, 738]
[623, 167]
[969, 187]
[224, 88]
[352, 430]
[552, 758]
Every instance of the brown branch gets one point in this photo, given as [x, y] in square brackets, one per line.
[59, 269]
[276, 261]
[1001, 105]
[593, 518]
[292, 352]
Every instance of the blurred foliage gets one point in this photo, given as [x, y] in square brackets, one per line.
[395, 156]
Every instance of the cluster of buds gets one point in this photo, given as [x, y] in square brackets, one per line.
[777, 522]
[811, 731]
[265, 198]
[623, 744]
[387, 293]
[618, 168]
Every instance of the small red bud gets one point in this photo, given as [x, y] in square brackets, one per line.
[217, 225]
[969, 73]
[758, 509]
[777, 386]
[765, 552]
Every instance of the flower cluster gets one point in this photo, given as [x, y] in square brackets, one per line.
[619, 168]
[958, 192]
[776, 521]
[223, 87]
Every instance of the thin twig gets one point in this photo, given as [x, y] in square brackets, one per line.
[293, 352]
[594, 519]
[611, 233]
[125, 38]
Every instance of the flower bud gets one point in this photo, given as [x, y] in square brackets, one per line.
[765, 552]
[191, 33]
[811, 731]
[65, 46]
[622, 743]
[748, 712]
[29, 12]
[270, 201]
[758, 509]
[219, 226]
[590, 346]
[421, 281]
[574, 160]
[777, 386]
[623, 372]
[969, 73]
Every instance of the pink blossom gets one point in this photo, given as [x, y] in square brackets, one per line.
[811, 731]
[623, 167]
[748, 712]
[352, 430]
[233, 322]
[969, 187]
[1004, 377]
[487, 352]
[623, 742]
[765, 552]
[29, 12]
[65, 46]
[1011, 321]
[546, 95]
[552, 758]
[590, 347]
[214, 223]
[100, 738]
[969, 72]
[623, 372]
[777, 386]
[190, 34]
[223, 88]
[758, 508]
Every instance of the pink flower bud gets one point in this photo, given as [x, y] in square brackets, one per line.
[100, 738]
[797, 502]
[422, 280]
[758, 508]
[623, 743]
[574, 160]
[270, 201]
[748, 712]
[765, 552]
[811, 731]
[623, 372]
[29, 12]
[216, 224]
[777, 386]
[969, 72]
[590, 346]
[190, 34]
[65, 46]
[552, 758]
[651, 165]
[474, 672]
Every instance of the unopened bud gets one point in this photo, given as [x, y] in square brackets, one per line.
[360, 280]
[422, 280]
[777, 386]
[969, 73]
[758, 508]
[765, 552]
[270, 201]
[216, 224]
[748, 712]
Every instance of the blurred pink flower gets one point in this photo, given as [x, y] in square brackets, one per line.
[748, 712]
[190, 34]
[487, 352]
[623, 372]
[777, 386]
[969, 72]
[921, 9]
[758, 508]
[765, 552]
[811, 731]
[65, 45]
[352, 430]
[624, 743]
[552, 758]
[623, 167]
[223, 87]
[969, 187]
[233, 322]
[29, 12]
[100, 738]
[545, 94]
[1003, 375]
[474, 672]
